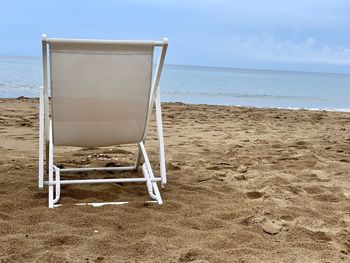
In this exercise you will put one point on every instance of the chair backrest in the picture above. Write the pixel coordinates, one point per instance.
(101, 91)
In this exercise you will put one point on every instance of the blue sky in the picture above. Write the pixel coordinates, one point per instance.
(310, 35)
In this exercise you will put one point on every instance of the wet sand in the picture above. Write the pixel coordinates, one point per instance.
(244, 185)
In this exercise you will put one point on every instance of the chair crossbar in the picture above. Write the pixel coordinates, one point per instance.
(101, 181)
(106, 41)
(77, 170)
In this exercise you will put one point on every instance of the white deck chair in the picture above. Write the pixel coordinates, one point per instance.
(102, 94)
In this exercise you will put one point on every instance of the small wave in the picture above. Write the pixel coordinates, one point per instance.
(318, 109)
(295, 108)
(270, 107)
(240, 95)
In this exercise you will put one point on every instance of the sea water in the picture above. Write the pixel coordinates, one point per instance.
(22, 76)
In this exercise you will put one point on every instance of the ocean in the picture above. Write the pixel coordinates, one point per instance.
(22, 76)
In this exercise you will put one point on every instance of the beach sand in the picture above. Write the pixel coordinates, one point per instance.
(244, 185)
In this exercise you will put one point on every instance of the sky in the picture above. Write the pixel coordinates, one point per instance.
(305, 35)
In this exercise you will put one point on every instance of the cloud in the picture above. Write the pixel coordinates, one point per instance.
(270, 49)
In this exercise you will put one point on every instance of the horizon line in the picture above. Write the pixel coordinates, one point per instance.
(216, 67)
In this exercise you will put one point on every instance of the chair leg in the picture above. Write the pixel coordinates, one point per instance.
(51, 169)
(152, 187)
(41, 138)
(47, 127)
(138, 158)
(148, 182)
(148, 173)
(156, 192)
(57, 185)
(51, 199)
(54, 198)
(160, 140)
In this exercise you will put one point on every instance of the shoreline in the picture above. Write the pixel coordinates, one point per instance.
(225, 105)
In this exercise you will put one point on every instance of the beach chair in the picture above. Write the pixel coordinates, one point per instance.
(102, 94)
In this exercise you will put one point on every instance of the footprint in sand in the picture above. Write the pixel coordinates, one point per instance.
(270, 226)
(254, 195)
(316, 228)
(192, 256)
(321, 236)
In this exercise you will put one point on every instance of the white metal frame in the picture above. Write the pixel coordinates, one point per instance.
(46, 147)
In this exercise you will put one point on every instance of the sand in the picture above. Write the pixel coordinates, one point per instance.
(245, 185)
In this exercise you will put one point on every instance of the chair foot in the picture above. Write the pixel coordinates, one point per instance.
(54, 198)
(152, 187)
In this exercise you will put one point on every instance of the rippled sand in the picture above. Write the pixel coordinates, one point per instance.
(245, 185)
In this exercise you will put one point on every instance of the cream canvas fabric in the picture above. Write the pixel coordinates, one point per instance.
(100, 93)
